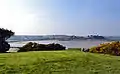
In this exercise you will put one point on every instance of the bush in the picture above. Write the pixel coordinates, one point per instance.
(41, 47)
(112, 48)
(4, 35)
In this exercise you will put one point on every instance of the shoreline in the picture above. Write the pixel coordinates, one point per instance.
(68, 44)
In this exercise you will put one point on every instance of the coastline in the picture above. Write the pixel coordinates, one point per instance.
(67, 44)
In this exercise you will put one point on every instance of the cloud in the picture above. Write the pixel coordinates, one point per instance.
(19, 17)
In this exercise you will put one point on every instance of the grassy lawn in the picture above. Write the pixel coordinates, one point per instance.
(58, 62)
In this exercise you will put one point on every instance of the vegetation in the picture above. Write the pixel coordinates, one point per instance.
(95, 37)
(58, 62)
(40, 47)
(4, 35)
(112, 48)
(75, 49)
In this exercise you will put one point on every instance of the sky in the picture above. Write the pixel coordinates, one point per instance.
(63, 17)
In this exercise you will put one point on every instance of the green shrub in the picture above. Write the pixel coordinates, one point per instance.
(112, 48)
(4, 35)
(41, 47)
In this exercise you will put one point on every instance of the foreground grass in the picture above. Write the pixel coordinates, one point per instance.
(59, 62)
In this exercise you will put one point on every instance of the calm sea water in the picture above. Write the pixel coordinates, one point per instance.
(68, 44)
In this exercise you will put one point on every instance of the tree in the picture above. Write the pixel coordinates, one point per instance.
(4, 35)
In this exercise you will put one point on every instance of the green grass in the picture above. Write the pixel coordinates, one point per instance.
(58, 62)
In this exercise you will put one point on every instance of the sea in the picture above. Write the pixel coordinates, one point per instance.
(19, 41)
(67, 44)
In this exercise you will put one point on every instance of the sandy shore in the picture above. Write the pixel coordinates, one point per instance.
(13, 50)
